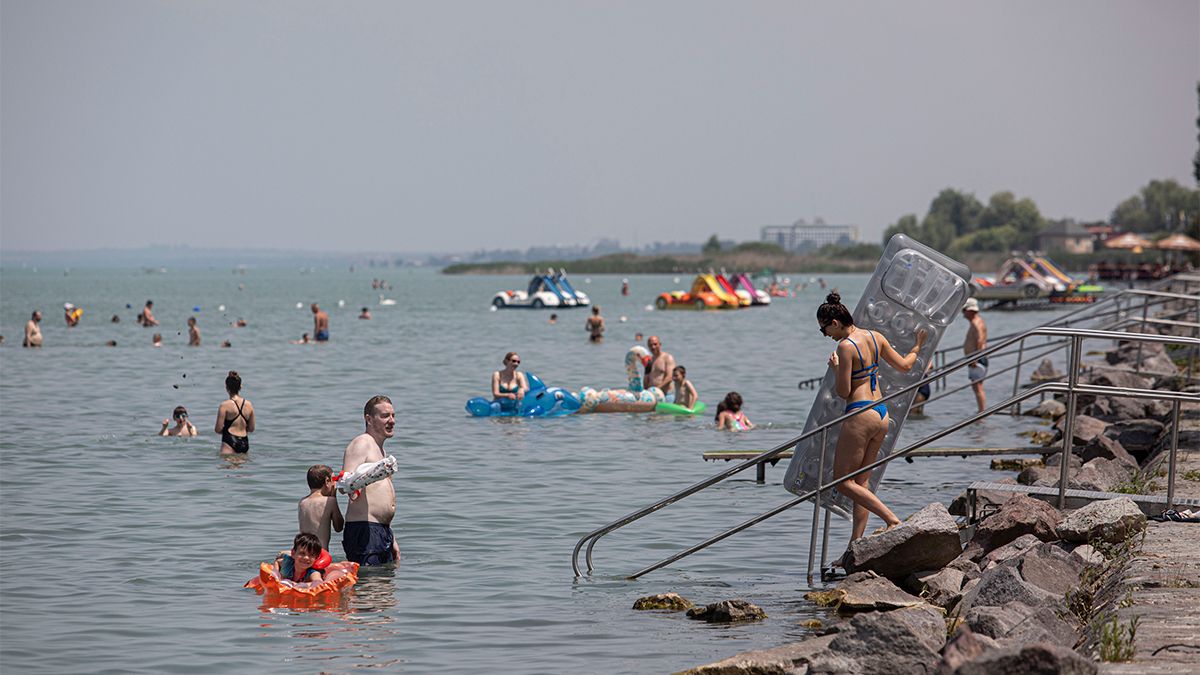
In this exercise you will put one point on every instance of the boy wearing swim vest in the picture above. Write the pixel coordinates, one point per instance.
(319, 510)
(301, 563)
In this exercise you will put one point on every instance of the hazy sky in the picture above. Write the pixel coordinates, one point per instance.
(391, 126)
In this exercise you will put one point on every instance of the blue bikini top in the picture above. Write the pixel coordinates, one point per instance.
(872, 370)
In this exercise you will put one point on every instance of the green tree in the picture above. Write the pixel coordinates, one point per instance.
(906, 225)
(1005, 210)
(1160, 205)
(713, 245)
(960, 209)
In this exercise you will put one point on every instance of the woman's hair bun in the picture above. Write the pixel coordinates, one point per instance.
(833, 299)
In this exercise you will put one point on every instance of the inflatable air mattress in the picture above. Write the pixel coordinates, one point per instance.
(539, 401)
(913, 287)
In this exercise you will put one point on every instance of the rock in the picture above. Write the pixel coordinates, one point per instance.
(1055, 460)
(902, 641)
(1020, 515)
(1035, 659)
(1088, 555)
(1136, 436)
(1111, 520)
(1114, 408)
(1051, 569)
(968, 567)
(927, 540)
(1016, 547)
(1038, 475)
(966, 645)
(1121, 379)
(671, 601)
(1107, 448)
(812, 623)
(774, 661)
(1153, 360)
(1157, 408)
(1050, 409)
(1016, 463)
(1046, 372)
(1084, 429)
(985, 500)
(1003, 584)
(1099, 474)
(941, 587)
(728, 611)
(1016, 622)
(867, 591)
(829, 598)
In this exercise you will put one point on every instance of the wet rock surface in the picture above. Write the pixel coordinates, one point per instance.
(667, 601)
(728, 611)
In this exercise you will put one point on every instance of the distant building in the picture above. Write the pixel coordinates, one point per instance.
(1066, 235)
(800, 237)
(1101, 232)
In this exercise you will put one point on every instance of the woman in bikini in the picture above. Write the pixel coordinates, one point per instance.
(509, 386)
(235, 418)
(856, 363)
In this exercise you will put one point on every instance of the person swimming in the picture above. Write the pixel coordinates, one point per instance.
(729, 414)
(235, 414)
(856, 364)
(183, 426)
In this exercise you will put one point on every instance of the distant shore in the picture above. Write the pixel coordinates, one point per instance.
(629, 263)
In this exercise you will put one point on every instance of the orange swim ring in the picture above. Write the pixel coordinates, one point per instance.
(337, 577)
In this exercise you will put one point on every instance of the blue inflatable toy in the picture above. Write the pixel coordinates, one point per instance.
(539, 401)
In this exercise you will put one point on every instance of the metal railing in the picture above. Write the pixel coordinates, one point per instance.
(1074, 336)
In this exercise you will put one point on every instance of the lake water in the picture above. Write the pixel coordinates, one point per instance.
(124, 551)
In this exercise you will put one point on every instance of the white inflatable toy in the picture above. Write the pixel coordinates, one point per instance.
(352, 483)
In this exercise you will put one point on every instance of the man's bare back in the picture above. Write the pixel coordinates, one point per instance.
(317, 513)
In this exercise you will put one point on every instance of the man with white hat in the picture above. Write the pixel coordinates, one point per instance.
(71, 315)
(976, 340)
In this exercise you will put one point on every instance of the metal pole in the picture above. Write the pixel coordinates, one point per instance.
(1171, 457)
(816, 522)
(1017, 377)
(1137, 363)
(825, 543)
(1069, 427)
(1192, 349)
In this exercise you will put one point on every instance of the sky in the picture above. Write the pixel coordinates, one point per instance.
(460, 125)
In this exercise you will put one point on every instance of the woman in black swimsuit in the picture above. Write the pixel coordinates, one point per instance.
(235, 418)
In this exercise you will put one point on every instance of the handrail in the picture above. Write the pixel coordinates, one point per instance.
(1077, 334)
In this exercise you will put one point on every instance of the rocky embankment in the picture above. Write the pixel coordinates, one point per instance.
(1034, 590)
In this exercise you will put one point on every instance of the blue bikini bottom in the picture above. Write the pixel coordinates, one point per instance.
(879, 408)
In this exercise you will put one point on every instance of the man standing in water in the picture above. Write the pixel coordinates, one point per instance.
(976, 340)
(33, 332)
(368, 539)
(193, 332)
(662, 364)
(595, 325)
(320, 324)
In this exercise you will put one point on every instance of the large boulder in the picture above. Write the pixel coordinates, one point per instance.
(1041, 658)
(728, 611)
(1001, 585)
(902, 641)
(775, 661)
(1016, 622)
(867, 591)
(1019, 515)
(668, 601)
(1099, 474)
(927, 540)
(1084, 428)
(1046, 372)
(1121, 379)
(1110, 520)
(1108, 448)
(940, 587)
(966, 645)
(1013, 549)
(1051, 568)
(1138, 437)
(1050, 409)
(1153, 359)
(1113, 408)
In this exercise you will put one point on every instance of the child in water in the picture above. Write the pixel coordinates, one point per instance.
(685, 393)
(730, 415)
(296, 564)
(183, 426)
(319, 510)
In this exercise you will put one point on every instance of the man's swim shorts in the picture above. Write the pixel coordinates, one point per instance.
(322, 335)
(367, 543)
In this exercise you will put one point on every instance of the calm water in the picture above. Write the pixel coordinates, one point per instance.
(123, 551)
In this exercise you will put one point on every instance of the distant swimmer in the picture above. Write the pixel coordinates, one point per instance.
(685, 392)
(240, 323)
(365, 315)
(855, 364)
(71, 314)
(595, 325)
(183, 426)
(146, 318)
(509, 386)
(193, 332)
(320, 324)
(110, 343)
(624, 287)
(33, 332)
(235, 418)
(730, 415)
(304, 339)
(637, 337)
(553, 319)
(660, 366)
(226, 344)
(156, 340)
(368, 538)
(115, 318)
(319, 511)
(975, 341)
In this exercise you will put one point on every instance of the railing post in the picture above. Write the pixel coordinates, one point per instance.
(1017, 376)
(816, 521)
(1069, 426)
(1137, 363)
(1171, 457)
(824, 544)
(1192, 349)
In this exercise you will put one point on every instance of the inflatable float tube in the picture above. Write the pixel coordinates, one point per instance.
(676, 409)
(337, 577)
(635, 362)
(914, 287)
(539, 401)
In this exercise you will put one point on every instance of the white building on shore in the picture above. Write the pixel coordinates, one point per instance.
(800, 237)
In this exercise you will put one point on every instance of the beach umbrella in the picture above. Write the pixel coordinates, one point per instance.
(1178, 242)
(1129, 240)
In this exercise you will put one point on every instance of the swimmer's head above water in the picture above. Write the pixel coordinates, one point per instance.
(233, 383)
(380, 416)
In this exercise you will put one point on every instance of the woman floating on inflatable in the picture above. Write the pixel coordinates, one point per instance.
(304, 576)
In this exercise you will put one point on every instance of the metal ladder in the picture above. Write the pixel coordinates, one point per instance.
(1061, 337)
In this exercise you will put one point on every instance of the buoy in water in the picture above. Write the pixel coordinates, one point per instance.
(220, 308)
(299, 305)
